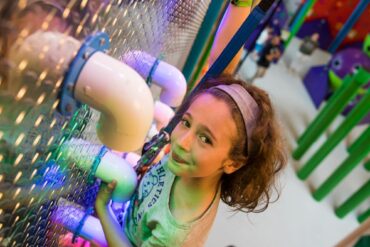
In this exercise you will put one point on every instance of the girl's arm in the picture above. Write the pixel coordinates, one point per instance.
(113, 232)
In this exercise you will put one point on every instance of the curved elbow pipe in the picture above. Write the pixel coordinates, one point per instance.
(104, 83)
(162, 116)
(122, 97)
(70, 216)
(111, 166)
(166, 76)
(131, 157)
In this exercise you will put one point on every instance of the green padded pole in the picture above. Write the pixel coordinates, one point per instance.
(331, 110)
(355, 157)
(328, 107)
(354, 117)
(203, 60)
(357, 143)
(300, 19)
(362, 217)
(367, 165)
(203, 35)
(359, 196)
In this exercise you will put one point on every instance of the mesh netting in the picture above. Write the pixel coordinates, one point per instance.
(38, 40)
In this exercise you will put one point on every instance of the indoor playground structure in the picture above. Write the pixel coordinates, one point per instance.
(85, 85)
(89, 90)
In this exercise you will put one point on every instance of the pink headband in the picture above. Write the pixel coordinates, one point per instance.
(246, 104)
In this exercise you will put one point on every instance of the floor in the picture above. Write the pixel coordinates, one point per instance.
(296, 219)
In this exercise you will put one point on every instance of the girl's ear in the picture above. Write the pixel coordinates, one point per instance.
(231, 166)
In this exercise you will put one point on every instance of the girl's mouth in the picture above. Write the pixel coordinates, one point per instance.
(177, 158)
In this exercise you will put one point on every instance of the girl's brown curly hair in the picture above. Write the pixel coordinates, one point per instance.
(249, 188)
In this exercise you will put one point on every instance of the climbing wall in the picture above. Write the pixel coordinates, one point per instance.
(321, 20)
(38, 40)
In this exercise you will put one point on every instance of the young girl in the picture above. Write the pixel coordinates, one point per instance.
(227, 146)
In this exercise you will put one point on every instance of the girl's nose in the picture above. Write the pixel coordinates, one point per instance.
(185, 141)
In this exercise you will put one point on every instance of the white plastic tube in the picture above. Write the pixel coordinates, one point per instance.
(111, 166)
(69, 215)
(131, 157)
(122, 97)
(162, 114)
(166, 76)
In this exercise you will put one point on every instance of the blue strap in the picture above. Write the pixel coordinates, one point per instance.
(151, 72)
(95, 165)
(77, 232)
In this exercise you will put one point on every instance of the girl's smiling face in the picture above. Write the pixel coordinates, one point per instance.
(201, 141)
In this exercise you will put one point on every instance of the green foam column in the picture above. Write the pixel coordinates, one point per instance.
(201, 64)
(357, 144)
(358, 197)
(354, 117)
(362, 217)
(331, 110)
(300, 19)
(203, 35)
(366, 45)
(367, 165)
(355, 157)
(322, 116)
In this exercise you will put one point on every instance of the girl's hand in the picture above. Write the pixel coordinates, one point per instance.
(104, 195)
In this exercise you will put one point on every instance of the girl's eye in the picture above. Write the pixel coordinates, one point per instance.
(205, 139)
(185, 123)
